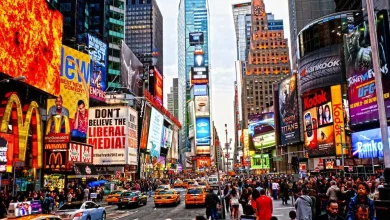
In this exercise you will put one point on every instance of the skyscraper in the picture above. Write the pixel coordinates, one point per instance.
(345, 5)
(193, 17)
(144, 30)
(173, 98)
(242, 23)
(301, 12)
(268, 60)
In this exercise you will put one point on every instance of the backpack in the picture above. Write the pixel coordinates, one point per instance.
(234, 200)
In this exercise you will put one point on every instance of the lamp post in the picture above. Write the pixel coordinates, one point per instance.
(227, 148)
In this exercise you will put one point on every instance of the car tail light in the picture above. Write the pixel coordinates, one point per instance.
(134, 199)
(79, 214)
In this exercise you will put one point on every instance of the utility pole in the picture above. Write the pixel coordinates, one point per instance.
(227, 149)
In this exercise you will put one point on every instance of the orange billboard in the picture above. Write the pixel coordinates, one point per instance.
(30, 46)
(203, 162)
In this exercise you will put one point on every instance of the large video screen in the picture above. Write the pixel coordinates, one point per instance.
(261, 129)
(368, 144)
(30, 45)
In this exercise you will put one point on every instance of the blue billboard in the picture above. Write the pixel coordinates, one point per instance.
(200, 90)
(203, 135)
(368, 144)
(98, 52)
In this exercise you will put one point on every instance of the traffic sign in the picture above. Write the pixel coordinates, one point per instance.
(278, 159)
(227, 155)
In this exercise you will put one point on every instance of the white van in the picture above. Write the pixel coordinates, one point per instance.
(213, 181)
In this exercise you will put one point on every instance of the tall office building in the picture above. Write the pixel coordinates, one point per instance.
(301, 12)
(144, 30)
(346, 5)
(173, 98)
(193, 17)
(268, 60)
(242, 24)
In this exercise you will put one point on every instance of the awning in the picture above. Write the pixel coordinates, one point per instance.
(84, 170)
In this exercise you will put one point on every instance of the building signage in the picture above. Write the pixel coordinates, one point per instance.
(6, 151)
(155, 130)
(321, 68)
(202, 150)
(132, 156)
(199, 75)
(56, 146)
(98, 70)
(57, 129)
(196, 38)
(260, 161)
(199, 60)
(202, 106)
(200, 90)
(288, 111)
(202, 132)
(262, 130)
(338, 118)
(107, 132)
(55, 160)
(203, 162)
(80, 153)
(368, 144)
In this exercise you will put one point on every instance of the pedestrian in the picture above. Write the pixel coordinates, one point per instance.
(244, 199)
(86, 193)
(226, 192)
(234, 201)
(264, 206)
(212, 201)
(332, 209)
(303, 206)
(333, 191)
(293, 215)
(361, 198)
(275, 189)
(362, 212)
(284, 192)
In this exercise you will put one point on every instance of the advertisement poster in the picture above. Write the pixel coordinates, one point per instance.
(55, 160)
(202, 150)
(319, 136)
(196, 38)
(368, 144)
(261, 129)
(175, 144)
(158, 87)
(98, 68)
(130, 70)
(288, 111)
(199, 60)
(133, 141)
(6, 152)
(80, 153)
(145, 128)
(200, 90)
(260, 161)
(338, 119)
(202, 107)
(155, 129)
(202, 132)
(199, 75)
(30, 43)
(73, 101)
(360, 75)
(203, 162)
(169, 138)
(107, 133)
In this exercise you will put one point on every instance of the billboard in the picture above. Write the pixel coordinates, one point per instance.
(202, 150)
(319, 136)
(73, 101)
(202, 106)
(31, 43)
(107, 132)
(158, 86)
(199, 60)
(289, 111)
(145, 127)
(202, 132)
(260, 161)
(6, 151)
(200, 90)
(132, 155)
(175, 144)
(261, 128)
(155, 130)
(196, 38)
(368, 143)
(199, 75)
(98, 84)
(203, 162)
(130, 70)
(80, 153)
(338, 118)
(363, 106)
(321, 68)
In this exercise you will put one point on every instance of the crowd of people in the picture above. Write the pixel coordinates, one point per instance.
(312, 198)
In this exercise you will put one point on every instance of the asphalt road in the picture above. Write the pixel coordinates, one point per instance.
(178, 212)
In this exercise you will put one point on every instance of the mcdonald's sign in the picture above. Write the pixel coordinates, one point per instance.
(55, 160)
(55, 127)
(24, 121)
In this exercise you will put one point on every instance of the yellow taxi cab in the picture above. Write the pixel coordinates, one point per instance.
(113, 197)
(205, 185)
(162, 187)
(178, 184)
(167, 197)
(195, 196)
(190, 183)
(38, 217)
(185, 183)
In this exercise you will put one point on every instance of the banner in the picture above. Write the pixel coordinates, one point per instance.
(73, 101)
(107, 133)
(289, 111)
(98, 69)
(368, 143)
(338, 119)
(202, 132)
(6, 152)
(145, 127)
(155, 129)
(261, 128)
(30, 43)
(169, 138)
(133, 140)
(81, 153)
(175, 143)
(130, 70)
(363, 105)
(202, 106)
(158, 86)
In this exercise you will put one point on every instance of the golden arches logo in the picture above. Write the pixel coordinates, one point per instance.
(55, 161)
(22, 119)
(57, 120)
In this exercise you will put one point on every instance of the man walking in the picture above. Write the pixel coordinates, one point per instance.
(264, 206)
(332, 209)
(211, 204)
(303, 206)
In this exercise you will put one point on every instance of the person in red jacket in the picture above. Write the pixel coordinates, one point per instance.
(264, 206)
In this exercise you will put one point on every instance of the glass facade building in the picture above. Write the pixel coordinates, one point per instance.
(242, 24)
(144, 30)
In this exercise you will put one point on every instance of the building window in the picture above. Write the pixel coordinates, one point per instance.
(65, 7)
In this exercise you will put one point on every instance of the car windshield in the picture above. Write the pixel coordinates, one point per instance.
(128, 194)
(185, 181)
(202, 183)
(116, 192)
(71, 206)
(165, 192)
(163, 187)
(194, 191)
(213, 179)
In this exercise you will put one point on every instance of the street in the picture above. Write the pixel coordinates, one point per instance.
(176, 212)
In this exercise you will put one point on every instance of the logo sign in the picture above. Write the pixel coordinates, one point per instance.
(203, 162)
(202, 132)
(155, 130)
(199, 75)
(56, 146)
(316, 99)
(98, 69)
(199, 60)
(288, 111)
(321, 68)
(196, 38)
(202, 107)
(200, 90)
(368, 144)
(55, 160)
(57, 129)
(107, 132)
(338, 118)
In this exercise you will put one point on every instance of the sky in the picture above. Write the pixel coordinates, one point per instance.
(222, 48)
